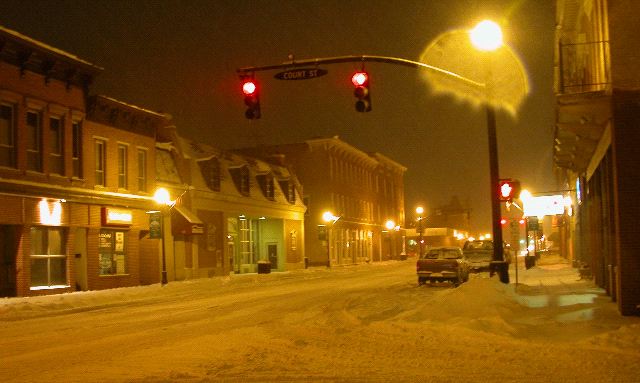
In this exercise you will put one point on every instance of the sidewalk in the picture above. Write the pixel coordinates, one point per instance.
(554, 284)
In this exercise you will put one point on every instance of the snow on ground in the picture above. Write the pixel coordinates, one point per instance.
(368, 323)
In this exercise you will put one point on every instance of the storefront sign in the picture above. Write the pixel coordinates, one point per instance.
(116, 217)
(197, 228)
(544, 205)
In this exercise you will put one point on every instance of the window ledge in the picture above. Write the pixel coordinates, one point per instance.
(55, 287)
(113, 275)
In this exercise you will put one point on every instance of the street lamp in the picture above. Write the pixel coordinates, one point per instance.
(487, 36)
(420, 211)
(163, 199)
(390, 225)
(329, 218)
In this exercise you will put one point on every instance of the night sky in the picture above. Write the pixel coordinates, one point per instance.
(180, 57)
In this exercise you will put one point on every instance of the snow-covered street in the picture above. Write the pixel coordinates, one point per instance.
(367, 323)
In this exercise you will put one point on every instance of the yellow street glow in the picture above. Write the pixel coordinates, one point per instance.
(486, 36)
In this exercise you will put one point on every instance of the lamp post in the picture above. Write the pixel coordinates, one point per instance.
(163, 199)
(419, 211)
(391, 225)
(330, 219)
(487, 36)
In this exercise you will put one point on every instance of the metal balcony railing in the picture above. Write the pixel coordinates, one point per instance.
(584, 67)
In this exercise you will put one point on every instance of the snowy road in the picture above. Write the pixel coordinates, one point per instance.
(370, 323)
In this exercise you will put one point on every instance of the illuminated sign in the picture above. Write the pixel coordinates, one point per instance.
(116, 217)
(544, 205)
(50, 214)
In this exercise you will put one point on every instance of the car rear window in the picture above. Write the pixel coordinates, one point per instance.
(479, 245)
(443, 254)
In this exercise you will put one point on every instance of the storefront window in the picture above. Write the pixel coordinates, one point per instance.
(112, 252)
(48, 258)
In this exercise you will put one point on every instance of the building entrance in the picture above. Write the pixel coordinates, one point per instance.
(8, 251)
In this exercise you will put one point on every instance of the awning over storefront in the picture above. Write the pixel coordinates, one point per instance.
(185, 222)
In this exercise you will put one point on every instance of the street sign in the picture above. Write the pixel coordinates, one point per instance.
(300, 74)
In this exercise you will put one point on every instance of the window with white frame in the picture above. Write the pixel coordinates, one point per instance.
(76, 156)
(122, 166)
(7, 135)
(48, 257)
(34, 141)
(142, 170)
(100, 161)
(56, 145)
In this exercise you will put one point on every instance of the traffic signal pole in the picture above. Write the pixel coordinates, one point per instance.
(498, 265)
(364, 58)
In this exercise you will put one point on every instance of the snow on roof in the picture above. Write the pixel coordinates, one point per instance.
(197, 150)
(43, 46)
(163, 115)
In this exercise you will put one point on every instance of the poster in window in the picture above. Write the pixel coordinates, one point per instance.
(106, 264)
(104, 241)
(119, 242)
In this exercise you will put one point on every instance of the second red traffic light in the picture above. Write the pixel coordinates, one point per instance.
(361, 81)
(251, 98)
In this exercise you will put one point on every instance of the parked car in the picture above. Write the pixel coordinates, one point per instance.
(441, 264)
(479, 254)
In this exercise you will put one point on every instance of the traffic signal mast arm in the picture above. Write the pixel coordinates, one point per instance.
(364, 58)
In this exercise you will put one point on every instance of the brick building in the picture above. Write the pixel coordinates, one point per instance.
(361, 190)
(74, 176)
(597, 136)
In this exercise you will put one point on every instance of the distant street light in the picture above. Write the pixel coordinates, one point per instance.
(487, 36)
(419, 211)
(330, 219)
(163, 199)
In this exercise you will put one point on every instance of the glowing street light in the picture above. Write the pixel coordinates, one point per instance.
(487, 36)
(419, 212)
(163, 198)
(390, 224)
(329, 218)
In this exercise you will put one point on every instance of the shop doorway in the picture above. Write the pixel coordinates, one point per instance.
(8, 250)
(272, 251)
(80, 253)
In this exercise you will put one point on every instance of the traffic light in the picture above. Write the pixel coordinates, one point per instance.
(251, 97)
(361, 81)
(508, 189)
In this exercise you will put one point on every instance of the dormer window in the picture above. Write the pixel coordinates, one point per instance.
(266, 185)
(241, 179)
(211, 173)
(289, 190)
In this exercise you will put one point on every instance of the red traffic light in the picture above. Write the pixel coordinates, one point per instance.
(251, 98)
(508, 189)
(361, 81)
(360, 78)
(249, 87)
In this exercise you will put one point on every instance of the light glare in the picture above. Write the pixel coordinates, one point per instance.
(249, 88)
(486, 36)
(359, 78)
